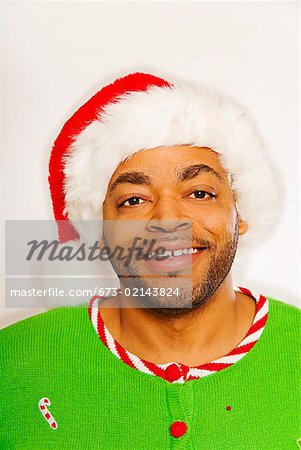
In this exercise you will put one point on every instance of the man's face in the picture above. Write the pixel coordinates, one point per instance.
(177, 194)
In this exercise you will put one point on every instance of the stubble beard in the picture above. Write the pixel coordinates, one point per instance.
(193, 294)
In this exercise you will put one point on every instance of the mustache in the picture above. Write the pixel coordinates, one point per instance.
(200, 242)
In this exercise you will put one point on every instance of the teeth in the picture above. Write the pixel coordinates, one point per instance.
(174, 253)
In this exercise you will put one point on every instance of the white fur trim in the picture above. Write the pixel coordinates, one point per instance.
(164, 116)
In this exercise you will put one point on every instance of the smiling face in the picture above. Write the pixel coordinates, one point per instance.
(181, 197)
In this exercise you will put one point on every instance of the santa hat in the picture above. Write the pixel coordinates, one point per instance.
(139, 112)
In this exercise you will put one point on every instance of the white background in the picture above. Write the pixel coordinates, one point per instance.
(55, 55)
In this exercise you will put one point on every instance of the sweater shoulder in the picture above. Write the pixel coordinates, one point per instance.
(285, 310)
(285, 320)
(49, 323)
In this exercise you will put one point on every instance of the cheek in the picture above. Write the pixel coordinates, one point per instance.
(218, 221)
(108, 212)
(121, 232)
(109, 230)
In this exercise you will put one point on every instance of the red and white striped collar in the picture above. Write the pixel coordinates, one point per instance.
(176, 372)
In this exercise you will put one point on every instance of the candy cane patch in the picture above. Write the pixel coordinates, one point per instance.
(43, 403)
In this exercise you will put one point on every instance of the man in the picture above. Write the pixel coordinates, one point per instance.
(207, 367)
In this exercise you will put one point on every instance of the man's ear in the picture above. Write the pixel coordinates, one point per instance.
(242, 227)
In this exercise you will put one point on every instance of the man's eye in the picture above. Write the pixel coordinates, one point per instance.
(202, 194)
(132, 201)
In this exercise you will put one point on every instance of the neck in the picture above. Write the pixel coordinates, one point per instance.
(193, 338)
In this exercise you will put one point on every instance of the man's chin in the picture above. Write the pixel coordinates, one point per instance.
(169, 292)
(177, 266)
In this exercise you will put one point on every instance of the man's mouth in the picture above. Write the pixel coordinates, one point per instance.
(175, 260)
(174, 253)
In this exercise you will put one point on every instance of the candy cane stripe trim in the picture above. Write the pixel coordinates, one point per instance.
(189, 373)
(124, 355)
(111, 342)
(155, 369)
(261, 313)
(234, 357)
(252, 337)
(197, 373)
(242, 349)
(138, 364)
(215, 367)
(261, 302)
(258, 325)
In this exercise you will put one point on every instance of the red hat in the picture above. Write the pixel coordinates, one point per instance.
(141, 111)
(84, 116)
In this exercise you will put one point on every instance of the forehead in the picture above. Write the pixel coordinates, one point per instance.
(168, 160)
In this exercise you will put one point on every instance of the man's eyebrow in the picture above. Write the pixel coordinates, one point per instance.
(185, 174)
(192, 171)
(131, 177)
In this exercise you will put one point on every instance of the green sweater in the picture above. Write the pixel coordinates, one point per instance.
(99, 402)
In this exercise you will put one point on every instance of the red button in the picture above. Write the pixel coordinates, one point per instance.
(173, 372)
(177, 429)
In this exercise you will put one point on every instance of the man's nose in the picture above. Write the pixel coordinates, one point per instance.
(167, 217)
